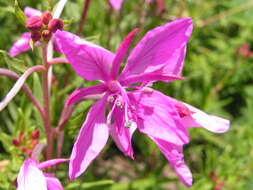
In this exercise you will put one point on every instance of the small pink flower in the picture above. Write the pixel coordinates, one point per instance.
(116, 4)
(158, 56)
(31, 177)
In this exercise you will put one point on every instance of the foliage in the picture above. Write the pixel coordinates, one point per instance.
(218, 80)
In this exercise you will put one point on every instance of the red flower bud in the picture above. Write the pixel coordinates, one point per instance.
(21, 137)
(46, 17)
(15, 142)
(35, 134)
(26, 151)
(34, 23)
(55, 24)
(35, 36)
(46, 35)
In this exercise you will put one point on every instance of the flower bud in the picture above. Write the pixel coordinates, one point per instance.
(35, 134)
(46, 17)
(35, 36)
(34, 23)
(46, 35)
(55, 24)
(15, 142)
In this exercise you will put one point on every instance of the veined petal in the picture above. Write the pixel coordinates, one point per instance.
(157, 116)
(29, 12)
(158, 46)
(121, 134)
(77, 95)
(116, 4)
(121, 52)
(30, 177)
(52, 182)
(90, 61)
(52, 162)
(150, 77)
(174, 154)
(199, 118)
(21, 45)
(91, 139)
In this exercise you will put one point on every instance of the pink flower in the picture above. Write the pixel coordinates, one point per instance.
(158, 56)
(31, 177)
(116, 4)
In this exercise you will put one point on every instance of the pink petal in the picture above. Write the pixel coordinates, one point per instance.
(53, 183)
(149, 77)
(30, 177)
(29, 11)
(201, 119)
(121, 134)
(158, 117)
(77, 95)
(121, 52)
(90, 141)
(158, 46)
(21, 45)
(116, 4)
(52, 162)
(174, 155)
(90, 61)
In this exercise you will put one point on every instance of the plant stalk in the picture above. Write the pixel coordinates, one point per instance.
(46, 102)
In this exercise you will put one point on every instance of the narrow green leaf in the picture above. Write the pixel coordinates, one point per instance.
(19, 13)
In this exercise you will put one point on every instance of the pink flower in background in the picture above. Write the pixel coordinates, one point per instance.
(23, 44)
(31, 177)
(158, 56)
(116, 4)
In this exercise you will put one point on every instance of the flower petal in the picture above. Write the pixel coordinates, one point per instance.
(121, 52)
(21, 45)
(90, 61)
(29, 12)
(174, 154)
(116, 4)
(90, 141)
(30, 177)
(77, 95)
(157, 116)
(149, 77)
(53, 183)
(52, 162)
(158, 46)
(201, 119)
(122, 135)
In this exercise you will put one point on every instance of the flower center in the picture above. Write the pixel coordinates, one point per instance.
(114, 86)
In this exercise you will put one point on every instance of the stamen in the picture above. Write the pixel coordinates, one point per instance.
(111, 99)
(128, 124)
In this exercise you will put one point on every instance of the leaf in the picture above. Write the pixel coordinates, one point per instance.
(12, 62)
(19, 13)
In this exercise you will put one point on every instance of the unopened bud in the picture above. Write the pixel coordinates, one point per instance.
(34, 23)
(35, 36)
(46, 17)
(35, 134)
(15, 142)
(46, 35)
(55, 24)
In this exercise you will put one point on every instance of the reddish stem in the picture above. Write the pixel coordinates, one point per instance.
(13, 75)
(83, 16)
(46, 101)
(57, 61)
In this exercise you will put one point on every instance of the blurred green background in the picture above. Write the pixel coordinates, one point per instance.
(219, 80)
